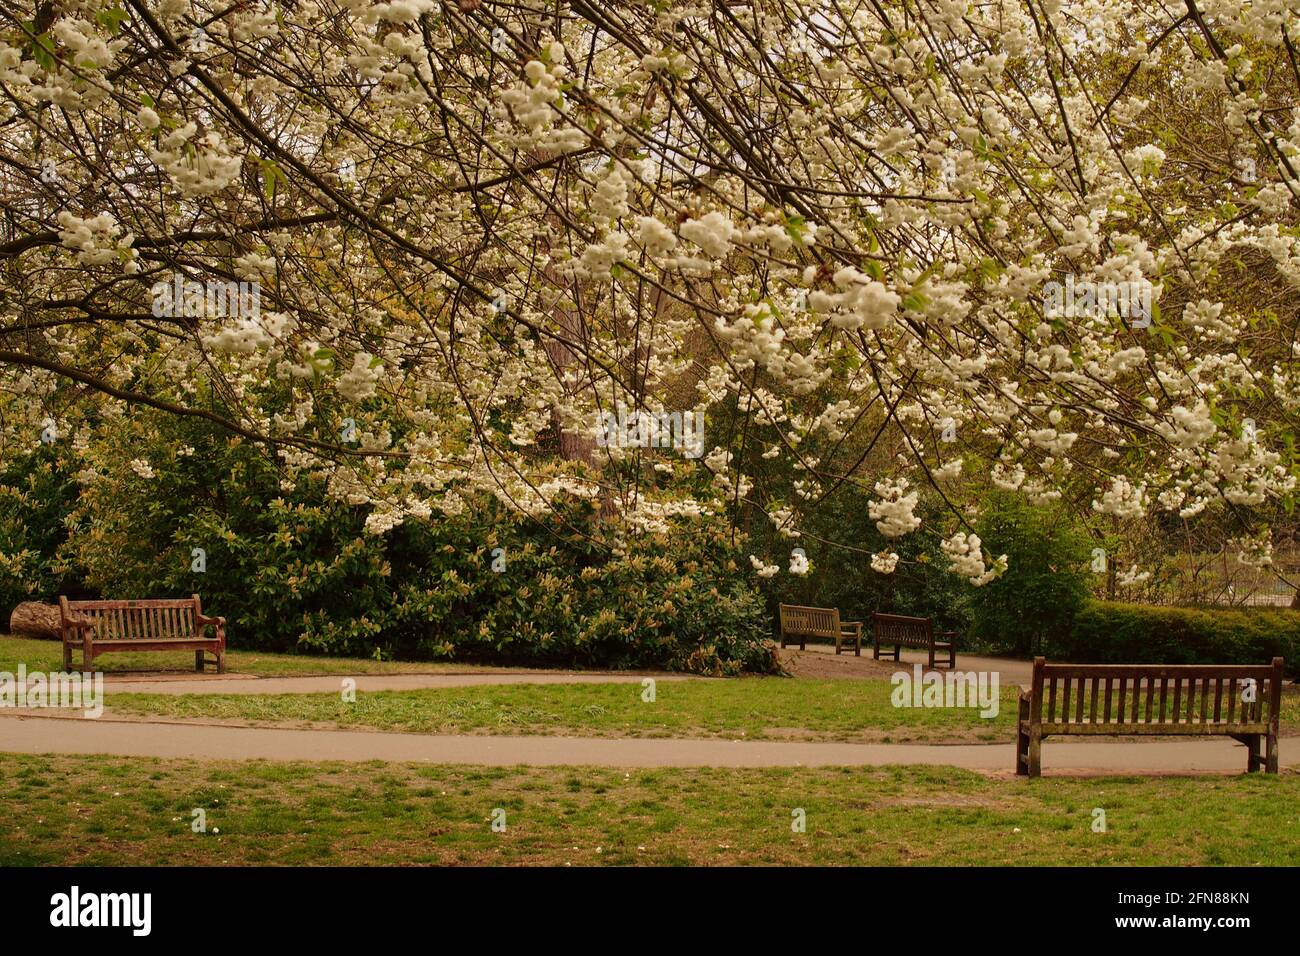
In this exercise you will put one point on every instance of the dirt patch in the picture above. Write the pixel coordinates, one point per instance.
(818, 665)
(789, 733)
(943, 801)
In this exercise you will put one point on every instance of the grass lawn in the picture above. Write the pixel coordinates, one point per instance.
(48, 656)
(753, 708)
(127, 811)
(757, 708)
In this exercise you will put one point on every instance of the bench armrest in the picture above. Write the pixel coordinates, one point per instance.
(78, 623)
(855, 625)
(202, 620)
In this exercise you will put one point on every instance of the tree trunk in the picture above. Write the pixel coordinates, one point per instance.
(31, 619)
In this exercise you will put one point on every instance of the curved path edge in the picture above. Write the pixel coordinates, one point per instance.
(42, 735)
(232, 684)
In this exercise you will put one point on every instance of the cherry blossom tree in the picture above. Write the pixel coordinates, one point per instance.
(849, 234)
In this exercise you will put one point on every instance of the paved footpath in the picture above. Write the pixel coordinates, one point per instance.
(236, 684)
(44, 734)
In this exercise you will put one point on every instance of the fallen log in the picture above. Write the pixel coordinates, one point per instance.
(33, 619)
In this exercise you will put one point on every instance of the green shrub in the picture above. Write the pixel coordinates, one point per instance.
(36, 494)
(1107, 632)
(293, 569)
(1045, 582)
(661, 603)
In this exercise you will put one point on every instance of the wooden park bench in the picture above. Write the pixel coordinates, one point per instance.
(99, 627)
(919, 632)
(1123, 700)
(800, 623)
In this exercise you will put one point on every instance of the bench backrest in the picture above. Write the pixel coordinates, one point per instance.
(149, 620)
(899, 629)
(1149, 698)
(815, 621)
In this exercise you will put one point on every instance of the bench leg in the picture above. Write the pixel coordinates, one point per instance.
(1270, 759)
(838, 640)
(931, 657)
(857, 644)
(67, 658)
(1035, 754)
(1022, 740)
(898, 653)
(1253, 761)
(221, 660)
(198, 661)
(875, 648)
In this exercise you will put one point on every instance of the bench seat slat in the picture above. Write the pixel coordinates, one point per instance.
(131, 605)
(137, 644)
(1183, 671)
(1154, 730)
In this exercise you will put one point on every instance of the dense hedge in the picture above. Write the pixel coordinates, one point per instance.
(1107, 632)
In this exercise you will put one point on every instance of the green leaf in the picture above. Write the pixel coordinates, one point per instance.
(42, 49)
(272, 176)
(111, 19)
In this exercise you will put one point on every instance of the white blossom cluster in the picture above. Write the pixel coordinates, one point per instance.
(966, 559)
(892, 513)
(884, 562)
